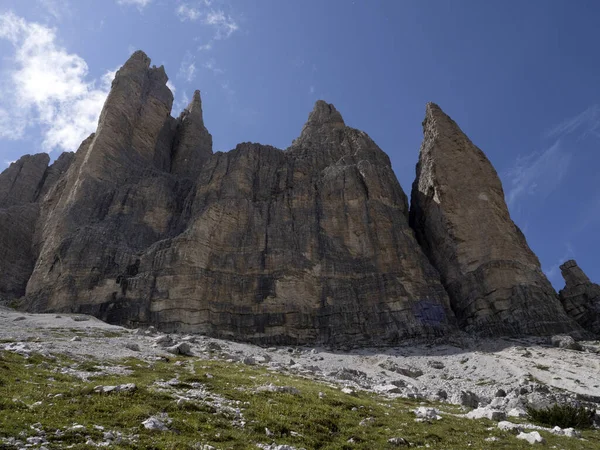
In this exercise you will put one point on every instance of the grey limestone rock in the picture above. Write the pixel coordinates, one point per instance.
(580, 297)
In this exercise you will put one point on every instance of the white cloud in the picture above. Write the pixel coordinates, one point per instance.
(311, 89)
(187, 70)
(46, 86)
(56, 8)
(585, 124)
(187, 12)
(141, 4)
(537, 174)
(172, 87)
(206, 47)
(223, 23)
(212, 66)
(181, 104)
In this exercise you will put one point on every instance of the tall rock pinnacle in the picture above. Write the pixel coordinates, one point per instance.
(458, 212)
(580, 297)
(193, 143)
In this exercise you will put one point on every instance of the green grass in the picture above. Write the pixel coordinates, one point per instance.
(306, 420)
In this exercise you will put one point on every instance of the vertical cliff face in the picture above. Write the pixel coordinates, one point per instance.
(311, 244)
(117, 197)
(23, 187)
(580, 297)
(145, 225)
(458, 211)
(307, 245)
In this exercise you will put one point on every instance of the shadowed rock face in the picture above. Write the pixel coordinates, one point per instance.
(580, 297)
(458, 211)
(311, 244)
(22, 186)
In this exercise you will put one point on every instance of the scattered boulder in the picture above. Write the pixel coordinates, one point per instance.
(133, 346)
(423, 412)
(466, 398)
(154, 423)
(183, 348)
(564, 341)
(487, 413)
(398, 442)
(533, 437)
(406, 371)
(129, 387)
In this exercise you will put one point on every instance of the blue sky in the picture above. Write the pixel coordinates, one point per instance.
(522, 79)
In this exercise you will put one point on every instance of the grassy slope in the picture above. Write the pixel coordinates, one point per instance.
(322, 423)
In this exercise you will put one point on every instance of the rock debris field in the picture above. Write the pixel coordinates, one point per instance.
(476, 379)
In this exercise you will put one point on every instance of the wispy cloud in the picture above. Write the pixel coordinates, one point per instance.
(56, 8)
(537, 174)
(224, 24)
(141, 4)
(188, 12)
(187, 70)
(206, 12)
(45, 85)
(205, 47)
(584, 125)
(212, 66)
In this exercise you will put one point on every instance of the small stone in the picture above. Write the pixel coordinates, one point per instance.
(269, 433)
(164, 341)
(183, 348)
(435, 364)
(132, 346)
(249, 361)
(423, 412)
(532, 437)
(500, 393)
(154, 423)
(367, 421)
(75, 339)
(17, 319)
(348, 391)
(398, 442)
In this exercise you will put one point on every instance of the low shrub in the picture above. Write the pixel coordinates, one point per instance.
(562, 415)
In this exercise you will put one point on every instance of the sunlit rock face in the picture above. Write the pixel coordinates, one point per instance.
(494, 280)
(310, 244)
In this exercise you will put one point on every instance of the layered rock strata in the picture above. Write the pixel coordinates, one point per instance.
(311, 244)
(494, 280)
(580, 297)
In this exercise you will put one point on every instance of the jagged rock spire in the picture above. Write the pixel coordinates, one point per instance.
(193, 142)
(460, 217)
(580, 297)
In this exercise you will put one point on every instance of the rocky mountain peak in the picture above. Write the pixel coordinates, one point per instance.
(580, 297)
(324, 113)
(461, 219)
(573, 274)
